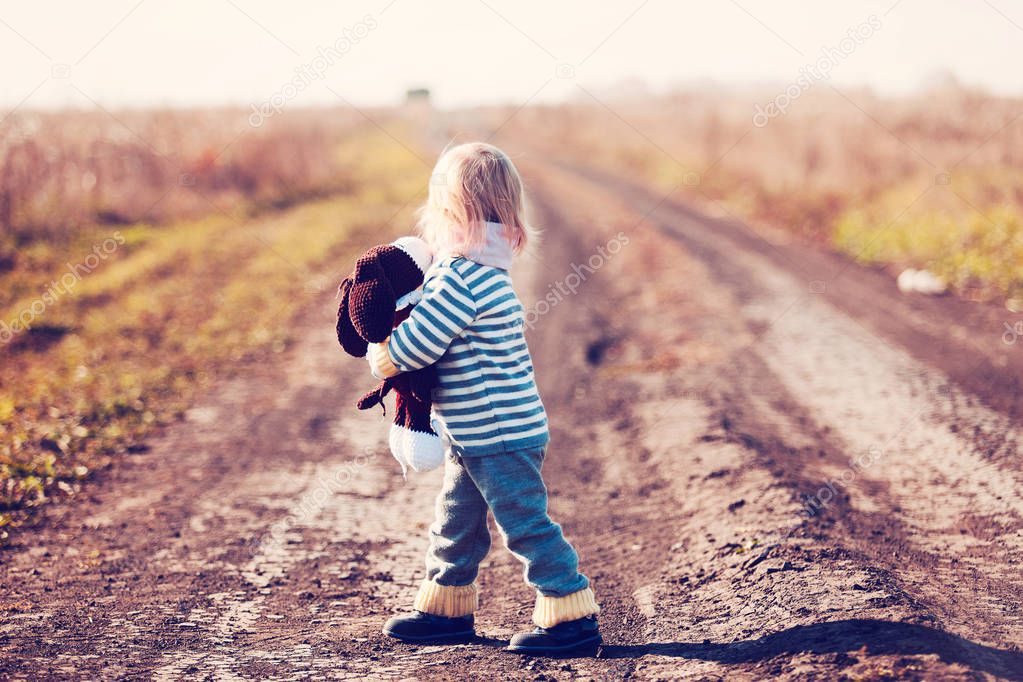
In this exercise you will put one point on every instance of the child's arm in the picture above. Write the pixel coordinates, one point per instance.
(447, 308)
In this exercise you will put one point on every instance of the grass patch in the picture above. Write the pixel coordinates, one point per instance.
(166, 311)
(841, 176)
(969, 232)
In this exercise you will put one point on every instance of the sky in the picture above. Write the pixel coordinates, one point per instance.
(136, 53)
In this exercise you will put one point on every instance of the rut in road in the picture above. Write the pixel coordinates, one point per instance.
(920, 467)
(270, 534)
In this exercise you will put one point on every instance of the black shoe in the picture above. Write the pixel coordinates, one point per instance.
(426, 628)
(574, 636)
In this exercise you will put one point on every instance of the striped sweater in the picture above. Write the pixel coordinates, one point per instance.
(470, 323)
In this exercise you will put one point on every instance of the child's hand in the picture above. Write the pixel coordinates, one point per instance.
(380, 362)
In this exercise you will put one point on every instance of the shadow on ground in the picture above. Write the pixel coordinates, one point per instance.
(878, 636)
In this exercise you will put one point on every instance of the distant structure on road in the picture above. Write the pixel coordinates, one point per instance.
(417, 97)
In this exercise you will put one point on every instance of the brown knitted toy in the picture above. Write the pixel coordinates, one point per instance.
(375, 299)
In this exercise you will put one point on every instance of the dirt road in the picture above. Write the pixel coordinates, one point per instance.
(771, 463)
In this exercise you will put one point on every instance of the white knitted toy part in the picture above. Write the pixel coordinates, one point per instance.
(418, 251)
(415, 449)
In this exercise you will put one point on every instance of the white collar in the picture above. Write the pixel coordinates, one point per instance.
(495, 252)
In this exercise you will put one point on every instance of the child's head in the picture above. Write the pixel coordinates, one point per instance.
(472, 184)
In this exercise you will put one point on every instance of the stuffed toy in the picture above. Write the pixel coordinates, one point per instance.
(378, 295)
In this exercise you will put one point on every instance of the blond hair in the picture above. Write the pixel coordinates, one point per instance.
(472, 184)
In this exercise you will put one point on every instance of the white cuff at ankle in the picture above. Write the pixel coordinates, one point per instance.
(550, 611)
(447, 600)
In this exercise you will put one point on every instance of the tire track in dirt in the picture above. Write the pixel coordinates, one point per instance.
(946, 466)
(868, 393)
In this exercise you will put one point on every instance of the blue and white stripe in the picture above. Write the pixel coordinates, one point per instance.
(470, 324)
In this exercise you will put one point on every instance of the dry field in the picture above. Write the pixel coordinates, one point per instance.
(61, 171)
(934, 181)
(145, 254)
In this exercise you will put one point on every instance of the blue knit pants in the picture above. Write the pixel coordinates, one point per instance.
(510, 486)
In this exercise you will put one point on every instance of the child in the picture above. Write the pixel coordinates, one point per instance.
(486, 406)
